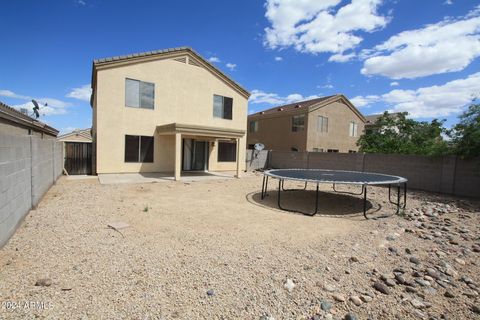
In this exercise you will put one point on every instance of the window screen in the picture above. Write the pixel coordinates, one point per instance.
(322, 124)
(253, 126)
(298, 123)
(139, 94)
(227, 151)
(132, 144)
(222, 107)
(138, 148)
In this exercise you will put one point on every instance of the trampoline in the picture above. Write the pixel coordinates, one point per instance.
(318, 176)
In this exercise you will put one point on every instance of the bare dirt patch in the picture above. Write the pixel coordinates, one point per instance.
(213, 250)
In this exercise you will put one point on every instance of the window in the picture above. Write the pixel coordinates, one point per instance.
(222, 107)
(251, 147)
(332, 150)
(298, 123)
(317, 150)
(353, 129)
(322, 124)
(138, 149)
(253, 126)
(294, 149)
(139, 94)
(227, 151)
(352, 151)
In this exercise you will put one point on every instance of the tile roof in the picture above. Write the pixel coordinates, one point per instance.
(293, 106)
(170, 50)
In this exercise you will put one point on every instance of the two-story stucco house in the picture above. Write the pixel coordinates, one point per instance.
(327, 124)
(166, 111)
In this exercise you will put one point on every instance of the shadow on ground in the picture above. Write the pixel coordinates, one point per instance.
(330, 203)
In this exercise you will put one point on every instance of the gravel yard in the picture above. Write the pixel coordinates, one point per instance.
(212, 250)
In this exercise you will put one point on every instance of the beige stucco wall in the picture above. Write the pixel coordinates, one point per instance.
(339, 117)
(275, 130)
(183, 94)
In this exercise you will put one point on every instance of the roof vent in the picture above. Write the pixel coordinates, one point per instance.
(262, 112)
(298, 106)
(181, 59)
(280, 109)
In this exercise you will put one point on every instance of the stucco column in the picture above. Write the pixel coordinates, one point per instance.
(178, 156)
(237, 175)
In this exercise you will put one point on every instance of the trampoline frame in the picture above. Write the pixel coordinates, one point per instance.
(397, 181)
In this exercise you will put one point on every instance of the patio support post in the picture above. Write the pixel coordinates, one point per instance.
(178, 155)
(237, 175)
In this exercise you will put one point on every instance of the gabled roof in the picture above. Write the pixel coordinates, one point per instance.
(308, 105)
(13, 115)
(160, 54)
(84, 133)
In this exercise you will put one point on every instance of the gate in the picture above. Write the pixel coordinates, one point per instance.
(78, 158)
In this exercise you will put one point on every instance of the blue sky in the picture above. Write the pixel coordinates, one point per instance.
(415, 56)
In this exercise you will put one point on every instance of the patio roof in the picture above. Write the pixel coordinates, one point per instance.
(206, 131)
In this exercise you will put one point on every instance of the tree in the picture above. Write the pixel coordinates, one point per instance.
(466, 134)
(398, 134)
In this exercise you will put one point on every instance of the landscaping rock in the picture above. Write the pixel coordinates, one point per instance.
(289, 285)
(44, 282)
(338, 297)
(379, 286)
(325, 306)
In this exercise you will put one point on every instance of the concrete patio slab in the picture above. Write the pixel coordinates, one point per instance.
(156, 177)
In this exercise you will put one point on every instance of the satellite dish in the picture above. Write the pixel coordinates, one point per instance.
(259, 146)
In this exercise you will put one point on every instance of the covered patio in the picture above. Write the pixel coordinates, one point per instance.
(211, 135)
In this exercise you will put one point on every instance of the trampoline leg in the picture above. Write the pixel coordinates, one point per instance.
(263, 188)
(304, 188)
(398, 198)
(316, 200)
(365, 202)
(279, 191)
(404, 195)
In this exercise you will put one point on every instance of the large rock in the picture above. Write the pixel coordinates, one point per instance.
(379, 286)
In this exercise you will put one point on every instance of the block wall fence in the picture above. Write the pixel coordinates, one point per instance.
(446, 174)
(29, 165)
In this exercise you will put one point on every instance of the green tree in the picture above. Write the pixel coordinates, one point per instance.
(399, 134)
(466, 134)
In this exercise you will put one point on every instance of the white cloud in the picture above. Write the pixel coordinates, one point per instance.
(364, 101)
(278, 58)
(54, 106)
(428, 102)
(259, 96)
(394, 84)
(214, 59)
(449, 2)
(326, 86)
(81, 2)
(81, 93)
(231, 66)
(446, 46)
(11, 94)
(341, 57)
(315, 26)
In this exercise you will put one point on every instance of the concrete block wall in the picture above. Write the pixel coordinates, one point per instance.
(22, 184)
(448, 174)
(256, 159)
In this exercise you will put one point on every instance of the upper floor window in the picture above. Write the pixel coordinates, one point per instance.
(353, 129)
(322, 124)
(222, 107)
(253, 126)
(139, 94)
(298, 123)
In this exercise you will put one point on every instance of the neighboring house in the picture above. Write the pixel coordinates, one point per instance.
(371, 123)
(327, 124)
(77, 150)
(166, 111)
(14, 122)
